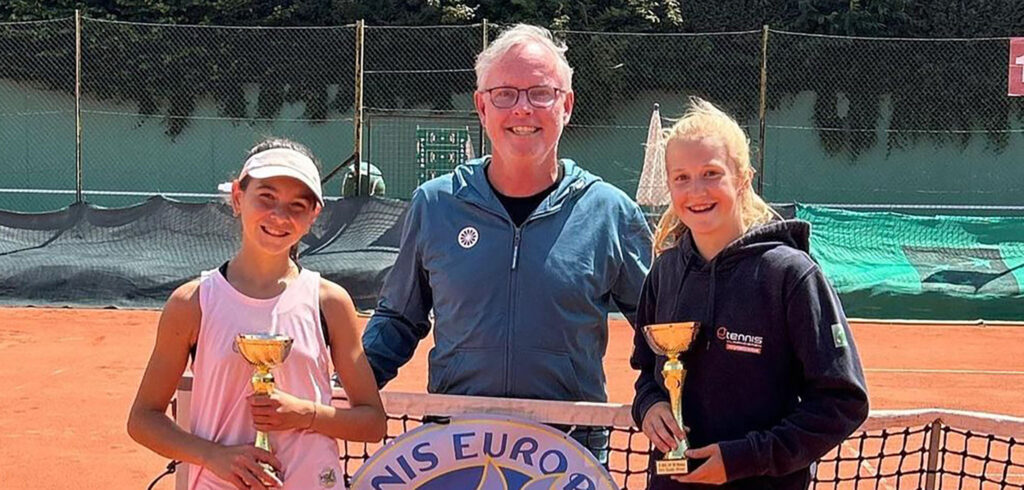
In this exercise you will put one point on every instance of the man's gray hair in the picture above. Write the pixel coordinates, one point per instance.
(519, 35)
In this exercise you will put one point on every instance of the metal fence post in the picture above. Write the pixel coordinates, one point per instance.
(934, 447)
(78, 106)
(762, 110)
(357, 114)
(482, 133)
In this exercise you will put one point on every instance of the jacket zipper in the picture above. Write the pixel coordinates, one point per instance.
(516, 242)
(513, 282)
(515, 246)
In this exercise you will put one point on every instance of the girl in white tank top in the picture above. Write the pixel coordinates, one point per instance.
(262, 289)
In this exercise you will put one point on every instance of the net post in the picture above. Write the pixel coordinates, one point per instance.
(934, 447)
(78, 106)
(762, 109)
(357, 116)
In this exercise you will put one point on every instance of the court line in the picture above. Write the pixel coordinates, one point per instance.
(936, 324)
(885, 481)
(944, 371)
(863, 463)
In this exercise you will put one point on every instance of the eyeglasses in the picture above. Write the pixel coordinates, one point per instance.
(539, 96)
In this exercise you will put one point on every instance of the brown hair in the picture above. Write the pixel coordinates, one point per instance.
(703, 120)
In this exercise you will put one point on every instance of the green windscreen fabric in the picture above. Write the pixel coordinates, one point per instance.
(889, 265)
(134, 257)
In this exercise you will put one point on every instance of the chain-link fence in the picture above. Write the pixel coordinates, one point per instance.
(619, 77)
(172, 109)
(221, 89)
(37, 112)
(892, 121)
(418, 85)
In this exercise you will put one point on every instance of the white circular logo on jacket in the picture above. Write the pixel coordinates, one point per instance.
(468, 237)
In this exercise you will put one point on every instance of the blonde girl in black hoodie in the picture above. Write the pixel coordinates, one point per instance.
(773, 380)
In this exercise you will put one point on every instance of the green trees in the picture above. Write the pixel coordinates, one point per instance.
(932, 87)
(896, 18)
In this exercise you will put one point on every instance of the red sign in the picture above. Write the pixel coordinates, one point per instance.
(1016, 73)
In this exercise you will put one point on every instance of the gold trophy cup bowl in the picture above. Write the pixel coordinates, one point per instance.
(264, 352)
(671, 340)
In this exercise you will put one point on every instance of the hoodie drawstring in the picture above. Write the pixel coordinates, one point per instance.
(710, 313)
(679, 293)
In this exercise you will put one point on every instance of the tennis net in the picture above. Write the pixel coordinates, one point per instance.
(894, 449)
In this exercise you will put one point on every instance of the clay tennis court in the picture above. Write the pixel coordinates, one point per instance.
(69, 376)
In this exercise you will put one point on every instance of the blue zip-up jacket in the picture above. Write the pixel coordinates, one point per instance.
(774, 376)
(519, 311)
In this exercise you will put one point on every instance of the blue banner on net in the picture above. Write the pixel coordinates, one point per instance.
(485, 452)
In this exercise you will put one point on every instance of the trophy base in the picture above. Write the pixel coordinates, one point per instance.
(671, 467)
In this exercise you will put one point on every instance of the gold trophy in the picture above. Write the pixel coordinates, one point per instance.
(672, 339)
(264, 352)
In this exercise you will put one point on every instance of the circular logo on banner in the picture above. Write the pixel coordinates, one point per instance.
(485, 452)
(468, 237)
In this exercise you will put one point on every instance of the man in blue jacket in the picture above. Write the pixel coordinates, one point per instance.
(520, 254)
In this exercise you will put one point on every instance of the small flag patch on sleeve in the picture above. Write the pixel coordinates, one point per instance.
(839, 335)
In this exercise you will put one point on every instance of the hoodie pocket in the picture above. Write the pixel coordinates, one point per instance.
(444, 378)
(476, 372)
(547, 375)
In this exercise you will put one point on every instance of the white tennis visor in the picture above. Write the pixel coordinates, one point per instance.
(284, 162)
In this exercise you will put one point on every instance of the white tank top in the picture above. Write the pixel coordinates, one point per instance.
(220, 412)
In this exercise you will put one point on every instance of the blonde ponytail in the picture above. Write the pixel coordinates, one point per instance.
(668, 232)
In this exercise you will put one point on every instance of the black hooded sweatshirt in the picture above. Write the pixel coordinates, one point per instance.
(774, 377)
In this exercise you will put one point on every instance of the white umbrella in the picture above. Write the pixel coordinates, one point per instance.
(469, 147)
(653, 190)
